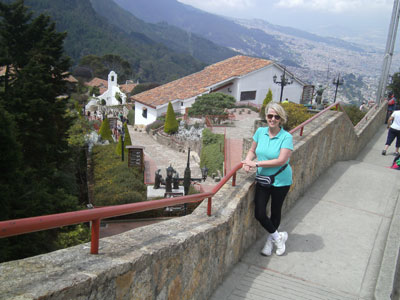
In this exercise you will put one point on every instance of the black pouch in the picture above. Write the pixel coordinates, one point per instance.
(267, 181)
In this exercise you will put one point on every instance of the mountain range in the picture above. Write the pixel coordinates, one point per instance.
(165, 39)
(88, 32)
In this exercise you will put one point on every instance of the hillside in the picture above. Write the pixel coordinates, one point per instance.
(89, 33)
(174, 38)
(217, 29)
(315, 59)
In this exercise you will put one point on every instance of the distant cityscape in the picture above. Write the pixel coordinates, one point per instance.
(320, 63)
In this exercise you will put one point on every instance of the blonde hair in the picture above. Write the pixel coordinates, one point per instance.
(278, 109)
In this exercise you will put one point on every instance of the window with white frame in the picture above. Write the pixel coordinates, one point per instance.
(144, 112)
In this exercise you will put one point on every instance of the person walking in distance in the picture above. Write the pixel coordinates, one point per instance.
(272, 146)
(394, 132)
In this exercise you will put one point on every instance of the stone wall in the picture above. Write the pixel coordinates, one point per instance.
(180, 146)
(187, 257)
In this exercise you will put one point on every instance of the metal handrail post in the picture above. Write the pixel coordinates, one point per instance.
(94, 243)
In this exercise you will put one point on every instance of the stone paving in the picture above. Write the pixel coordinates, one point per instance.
(158, 156)
(344, 238)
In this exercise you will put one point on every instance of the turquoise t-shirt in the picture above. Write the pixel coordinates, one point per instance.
(268, 148)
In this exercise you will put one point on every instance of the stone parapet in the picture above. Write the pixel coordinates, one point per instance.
(186, 257)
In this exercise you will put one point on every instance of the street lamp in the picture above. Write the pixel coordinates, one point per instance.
(284, 81)
(122, 142)
(337, 82)
(204, 172)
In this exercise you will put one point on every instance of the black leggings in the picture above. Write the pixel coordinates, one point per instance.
(261, 199)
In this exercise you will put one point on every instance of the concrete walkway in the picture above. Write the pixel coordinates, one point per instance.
(344, 236)
(158, 156)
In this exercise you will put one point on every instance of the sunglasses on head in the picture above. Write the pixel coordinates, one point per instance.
(270, 116)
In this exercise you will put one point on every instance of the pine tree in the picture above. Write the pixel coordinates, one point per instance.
(171, 125)
(36, 67)
(105, 131)
(268, 99)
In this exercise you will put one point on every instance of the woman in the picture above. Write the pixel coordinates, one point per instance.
(273, 147)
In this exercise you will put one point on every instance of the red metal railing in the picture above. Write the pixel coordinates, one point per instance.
(27, 225)
(302, 125)
(225, 153)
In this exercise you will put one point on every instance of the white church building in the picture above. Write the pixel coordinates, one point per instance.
(110, 95)
(245, 78)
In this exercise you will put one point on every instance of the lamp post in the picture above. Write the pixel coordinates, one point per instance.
(337, 82)
(204, 172)
(284, 82)
(122, 142)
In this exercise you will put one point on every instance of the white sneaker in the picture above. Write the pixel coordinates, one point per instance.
(267, 250)
(280, 244)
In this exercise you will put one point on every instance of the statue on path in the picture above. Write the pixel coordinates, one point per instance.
(319, 92)
(157, 179)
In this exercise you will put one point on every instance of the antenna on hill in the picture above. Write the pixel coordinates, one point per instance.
(327, 74)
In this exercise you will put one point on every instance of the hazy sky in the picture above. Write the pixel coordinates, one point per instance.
(318, 16)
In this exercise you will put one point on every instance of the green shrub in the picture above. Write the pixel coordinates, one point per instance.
(210, 138)
(131, 117)
(268, 99)
(94, 90)
(171, 125)
(114, 182)
(212, 151)
(296, 114)
(105, 131)
(78, 234)
(354, 113)
(127, 142)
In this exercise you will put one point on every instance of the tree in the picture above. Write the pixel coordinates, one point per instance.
(354, 113)
(101, 66)
(171, 125)
(35, 126)
(212, 104)
(395, 85)
(296, 114)
(118, 97)
(105, 131)
(268, 99)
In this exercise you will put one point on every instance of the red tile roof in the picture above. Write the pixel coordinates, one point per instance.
(98, 82)
(198, 83)
(71, 79)
(127, 88)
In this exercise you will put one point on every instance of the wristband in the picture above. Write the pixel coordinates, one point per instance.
(257, 164)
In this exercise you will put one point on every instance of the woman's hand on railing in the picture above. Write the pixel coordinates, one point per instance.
(247, 165)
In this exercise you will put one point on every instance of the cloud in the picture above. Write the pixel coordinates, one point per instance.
(335, 5)
(212, 5)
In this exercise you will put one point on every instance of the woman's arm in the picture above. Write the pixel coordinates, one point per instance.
(283, 157)
(249, 157)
